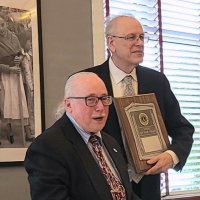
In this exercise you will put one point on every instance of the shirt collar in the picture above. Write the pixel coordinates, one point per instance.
(117, 74)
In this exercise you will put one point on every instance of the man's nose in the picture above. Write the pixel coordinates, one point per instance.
(100, 105)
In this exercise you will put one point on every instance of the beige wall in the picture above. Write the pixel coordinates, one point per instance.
(13, 183)
(67, 47)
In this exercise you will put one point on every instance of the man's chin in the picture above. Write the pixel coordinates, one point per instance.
(97, 129)
(137, 57)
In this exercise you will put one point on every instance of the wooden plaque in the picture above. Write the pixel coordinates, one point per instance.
(143, 127)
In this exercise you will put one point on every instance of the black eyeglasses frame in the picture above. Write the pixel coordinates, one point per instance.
(94, 103)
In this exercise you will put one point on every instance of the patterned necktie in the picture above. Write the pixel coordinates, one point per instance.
(129, 91)
(116, 187)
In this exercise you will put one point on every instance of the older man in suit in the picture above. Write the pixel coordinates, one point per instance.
(125, 40)
(62, 163)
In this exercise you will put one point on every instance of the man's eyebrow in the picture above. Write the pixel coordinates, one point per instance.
(93, 94)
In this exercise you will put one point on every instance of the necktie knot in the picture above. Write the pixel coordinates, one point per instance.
(128, 86)
(128, 79)
(95, 140)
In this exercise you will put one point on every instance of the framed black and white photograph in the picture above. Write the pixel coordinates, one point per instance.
(20, 77)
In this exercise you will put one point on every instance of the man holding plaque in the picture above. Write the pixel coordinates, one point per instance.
(125, 40)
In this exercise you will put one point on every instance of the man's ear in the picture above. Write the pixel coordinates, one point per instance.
(110, 44)
(68, 105)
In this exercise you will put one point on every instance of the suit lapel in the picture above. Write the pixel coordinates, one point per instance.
(104, 74)
(142, 80)
(91, 167)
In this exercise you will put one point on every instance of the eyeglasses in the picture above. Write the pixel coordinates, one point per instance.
(92, 101)
(132, 37)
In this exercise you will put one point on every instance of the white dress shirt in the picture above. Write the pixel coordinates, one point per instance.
(117, 76)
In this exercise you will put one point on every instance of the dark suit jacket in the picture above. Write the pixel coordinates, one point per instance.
(179, 129)
(61, 167)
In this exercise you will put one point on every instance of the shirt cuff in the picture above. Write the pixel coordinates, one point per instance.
(174, 157)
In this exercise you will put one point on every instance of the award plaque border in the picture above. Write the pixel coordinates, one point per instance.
(129, 124)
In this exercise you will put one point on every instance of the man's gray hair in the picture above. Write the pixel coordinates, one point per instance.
(110, 20)
(70, 83)
(60, 110)
(69, 91)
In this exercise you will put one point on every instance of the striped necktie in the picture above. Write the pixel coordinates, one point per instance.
(116, 187)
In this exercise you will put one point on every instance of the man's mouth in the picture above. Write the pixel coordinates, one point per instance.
(98, 118)
(138, 52)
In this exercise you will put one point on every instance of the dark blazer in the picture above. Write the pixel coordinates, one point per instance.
(60, 166)
(179, 129)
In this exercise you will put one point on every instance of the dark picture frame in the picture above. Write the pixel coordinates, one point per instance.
(14, 138)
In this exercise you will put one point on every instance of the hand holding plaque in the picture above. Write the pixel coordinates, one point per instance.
(143, 127)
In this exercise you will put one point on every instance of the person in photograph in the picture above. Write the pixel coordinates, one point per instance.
(25, 38)
(125, 40)
(62, 162)
(11, 81)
